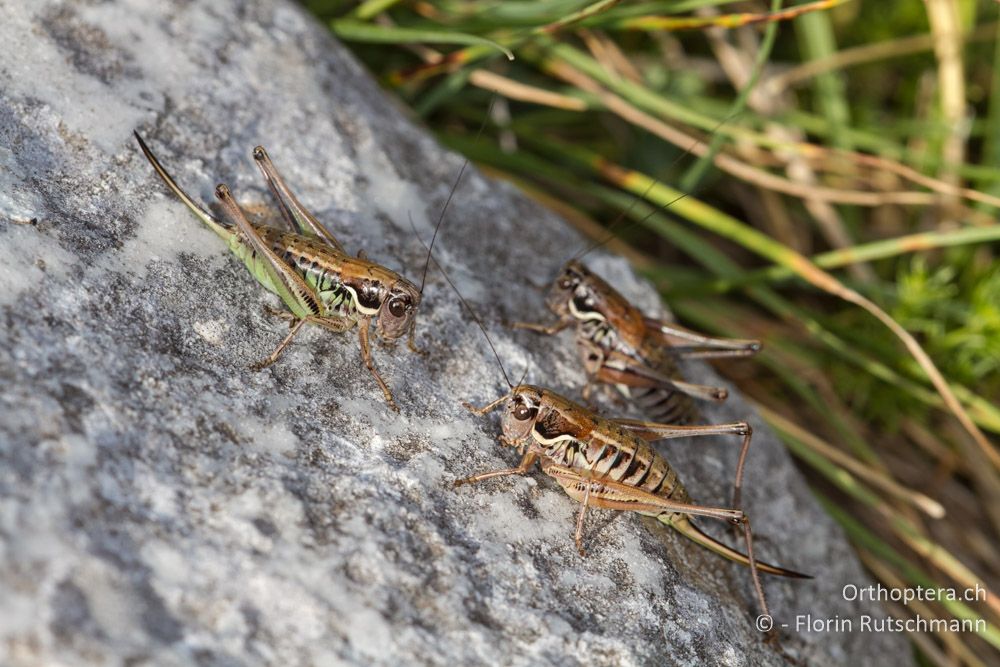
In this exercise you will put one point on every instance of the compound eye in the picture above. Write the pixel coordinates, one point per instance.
(523, 412)
(397, 307)
(565, 283)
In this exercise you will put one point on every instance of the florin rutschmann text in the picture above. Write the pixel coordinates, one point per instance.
(899, 623)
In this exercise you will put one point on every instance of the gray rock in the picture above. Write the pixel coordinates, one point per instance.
(162, 504)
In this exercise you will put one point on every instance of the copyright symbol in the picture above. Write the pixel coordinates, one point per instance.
(764, 623)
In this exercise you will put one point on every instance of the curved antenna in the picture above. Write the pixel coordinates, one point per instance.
(461, 172)
(621, 216)
(464, 302)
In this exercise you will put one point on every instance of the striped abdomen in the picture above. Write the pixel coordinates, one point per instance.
(613, 453)
(663, 404)
(660, 404)
(317, 263)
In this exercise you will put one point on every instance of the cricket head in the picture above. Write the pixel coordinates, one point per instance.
(577, 292)
(398, 313)
(582, 295)
(565, 287)
(520, 412)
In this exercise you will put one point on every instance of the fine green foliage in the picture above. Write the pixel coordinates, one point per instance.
(821, 175)
(956, 307)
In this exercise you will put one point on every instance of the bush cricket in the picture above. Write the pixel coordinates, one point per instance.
(609, 463)
(621, 346)
(309, 269)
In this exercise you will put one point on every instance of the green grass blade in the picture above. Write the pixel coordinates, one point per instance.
(357, 31)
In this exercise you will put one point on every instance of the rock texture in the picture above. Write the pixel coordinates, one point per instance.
(162, 504)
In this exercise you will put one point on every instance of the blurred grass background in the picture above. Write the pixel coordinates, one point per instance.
(839, 161)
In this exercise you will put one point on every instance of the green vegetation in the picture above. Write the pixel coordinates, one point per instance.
(824, 176)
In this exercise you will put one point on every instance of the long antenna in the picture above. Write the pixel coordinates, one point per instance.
(464, 303)
(621, 216)
(527, 366)
(454, 187)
